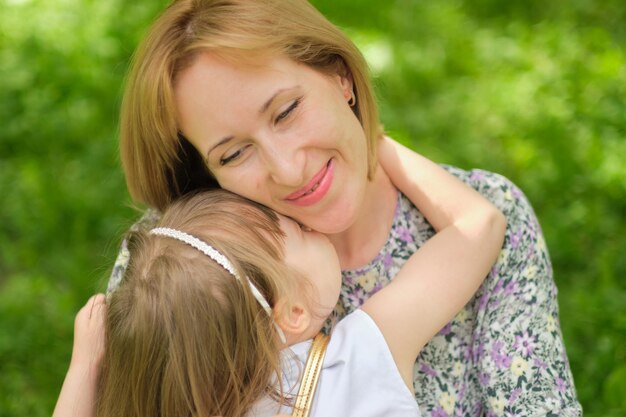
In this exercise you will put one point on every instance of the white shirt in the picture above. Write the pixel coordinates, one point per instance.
(359, 376)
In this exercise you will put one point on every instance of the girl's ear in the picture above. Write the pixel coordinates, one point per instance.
(293, 318)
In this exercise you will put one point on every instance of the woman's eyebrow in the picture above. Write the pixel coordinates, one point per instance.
(268, 103)
(218, 144)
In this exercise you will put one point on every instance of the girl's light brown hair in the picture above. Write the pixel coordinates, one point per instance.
(159, 163)
(185, 337)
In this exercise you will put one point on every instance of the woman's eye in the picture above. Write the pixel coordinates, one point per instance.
(233, 156)
(288, 111)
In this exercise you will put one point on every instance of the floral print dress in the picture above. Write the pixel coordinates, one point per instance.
(503, 353)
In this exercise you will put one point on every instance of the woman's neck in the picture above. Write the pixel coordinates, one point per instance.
(362, 241)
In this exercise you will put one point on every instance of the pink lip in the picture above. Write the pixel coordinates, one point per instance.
(321, 182)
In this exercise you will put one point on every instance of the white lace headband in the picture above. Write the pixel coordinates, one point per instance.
(214, 254)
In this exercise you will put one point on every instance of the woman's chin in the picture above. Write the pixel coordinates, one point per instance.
(332, 222)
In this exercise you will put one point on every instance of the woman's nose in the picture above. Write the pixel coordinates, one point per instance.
(285, 165)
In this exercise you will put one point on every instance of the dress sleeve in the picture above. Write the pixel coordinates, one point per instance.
(147, 220)
(517, 344)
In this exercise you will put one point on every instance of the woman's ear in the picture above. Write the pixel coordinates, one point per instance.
(343, 77)
(346, 85)
(294, 319)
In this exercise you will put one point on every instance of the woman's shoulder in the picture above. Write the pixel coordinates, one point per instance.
(480, 179)
(498, 189)
(412, 227)
(147, 221)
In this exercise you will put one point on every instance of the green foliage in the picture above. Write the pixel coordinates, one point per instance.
(532, 90)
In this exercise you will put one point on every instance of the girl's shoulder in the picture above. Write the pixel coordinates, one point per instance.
(359, 365)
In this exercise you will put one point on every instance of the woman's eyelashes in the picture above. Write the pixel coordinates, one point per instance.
(233, 156)
(284, 114)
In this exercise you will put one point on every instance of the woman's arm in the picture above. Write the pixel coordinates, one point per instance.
(439, 279)
(78, 394)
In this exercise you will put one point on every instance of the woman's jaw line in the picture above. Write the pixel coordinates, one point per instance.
(368, 229)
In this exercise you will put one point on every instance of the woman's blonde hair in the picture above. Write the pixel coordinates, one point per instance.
(159, 163)
(184, 336)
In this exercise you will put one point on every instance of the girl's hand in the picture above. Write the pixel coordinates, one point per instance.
(88, 349)
(78, 394)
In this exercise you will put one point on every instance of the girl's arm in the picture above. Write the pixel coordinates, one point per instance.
(78, 394)
(441, 277)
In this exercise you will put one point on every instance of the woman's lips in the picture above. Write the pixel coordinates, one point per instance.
(316, 189)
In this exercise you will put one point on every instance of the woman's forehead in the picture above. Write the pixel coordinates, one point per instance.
(214, 90)
(225, 66)
(224, 81)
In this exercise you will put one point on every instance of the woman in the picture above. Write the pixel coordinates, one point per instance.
(271, 101)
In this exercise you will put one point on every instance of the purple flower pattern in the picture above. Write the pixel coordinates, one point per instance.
(524, 343)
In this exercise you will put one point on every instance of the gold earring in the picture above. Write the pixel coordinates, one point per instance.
(352, 100)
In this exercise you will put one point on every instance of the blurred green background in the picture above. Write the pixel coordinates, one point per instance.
(531, 89)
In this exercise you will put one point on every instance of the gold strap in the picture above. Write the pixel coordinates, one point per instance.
(311, 375)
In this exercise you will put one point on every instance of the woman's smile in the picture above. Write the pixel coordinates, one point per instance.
(315, 189)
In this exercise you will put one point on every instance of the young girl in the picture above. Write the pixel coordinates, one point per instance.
(218, 291)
